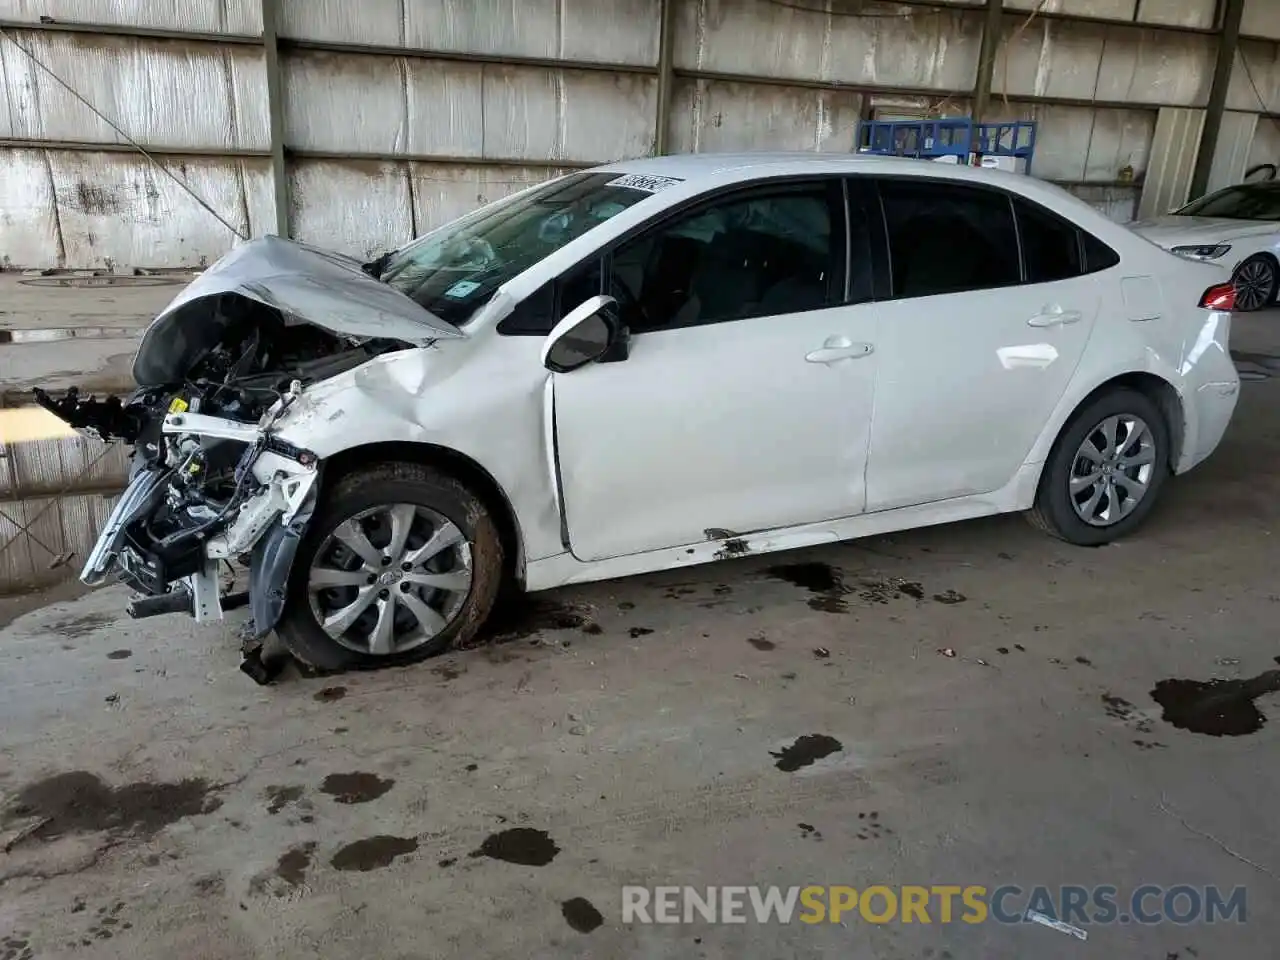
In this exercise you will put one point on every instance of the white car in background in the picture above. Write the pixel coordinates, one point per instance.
(1237, 227)
(652, 364)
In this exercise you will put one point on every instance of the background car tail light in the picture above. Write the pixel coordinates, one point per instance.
(1221, 296)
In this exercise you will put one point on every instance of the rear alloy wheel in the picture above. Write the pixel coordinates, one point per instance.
(1255, 282)
(1105, 471)
(400, 562)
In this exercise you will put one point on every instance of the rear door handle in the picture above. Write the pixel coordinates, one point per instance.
(832, 354)
(1054, 317)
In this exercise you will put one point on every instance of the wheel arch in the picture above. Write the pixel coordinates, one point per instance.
(1156, 388)
(456, 464)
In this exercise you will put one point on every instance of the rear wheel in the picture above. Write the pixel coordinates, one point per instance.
(1255, 281)
(1105, 471)
(400, 562)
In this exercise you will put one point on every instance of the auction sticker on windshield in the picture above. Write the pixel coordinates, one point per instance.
(640, 181)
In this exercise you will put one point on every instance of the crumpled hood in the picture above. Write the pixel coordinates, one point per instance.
(1175, 231)
(307, 285)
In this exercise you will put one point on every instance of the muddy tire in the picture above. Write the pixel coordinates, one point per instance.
(400, 562)
(1105, 471)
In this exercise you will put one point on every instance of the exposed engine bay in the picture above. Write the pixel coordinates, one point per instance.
(207, 476)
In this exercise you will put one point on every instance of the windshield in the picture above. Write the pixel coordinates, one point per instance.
(456, 269)
(1248, 201)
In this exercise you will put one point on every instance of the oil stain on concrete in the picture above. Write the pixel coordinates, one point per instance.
(522, 845)
(581, 914)
(806, 751)
(1216, 708)
(372, 853)
(81, 802)
(355, 787)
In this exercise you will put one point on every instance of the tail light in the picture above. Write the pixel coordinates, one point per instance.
(1221, 296)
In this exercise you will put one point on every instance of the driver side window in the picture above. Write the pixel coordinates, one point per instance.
(769, 252)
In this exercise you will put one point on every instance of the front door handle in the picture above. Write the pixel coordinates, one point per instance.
(846, 351)
(1054, 317)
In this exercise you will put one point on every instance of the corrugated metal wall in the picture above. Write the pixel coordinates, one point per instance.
(399, 114)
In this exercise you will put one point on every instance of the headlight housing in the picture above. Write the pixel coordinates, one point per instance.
(1207, 251)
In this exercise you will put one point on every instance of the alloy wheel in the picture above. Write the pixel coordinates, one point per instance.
(390, 578)
(1112, 470)
(1255, 282)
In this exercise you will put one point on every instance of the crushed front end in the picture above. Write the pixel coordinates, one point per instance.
(211, 485)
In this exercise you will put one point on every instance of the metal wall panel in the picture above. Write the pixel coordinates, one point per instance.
(222, 16)
(1089, 61)
(61, 463)
(1261, 18)
(1255, 78)
(367, 104)
(116, 210)
(1173, 158)
(1085, 143)
(927, 48)
(168, 93)
(1236, 140)
(603, 31)
(1118, 203)
(709, 116)
(1180, 13)
(1265, 146)
(443, 192)
(359, 207)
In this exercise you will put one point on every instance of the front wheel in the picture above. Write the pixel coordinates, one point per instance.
(400, 562)
(1255, 282)
(1105, 471)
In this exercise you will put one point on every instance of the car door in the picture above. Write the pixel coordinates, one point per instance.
(745, 399)
(979, 338)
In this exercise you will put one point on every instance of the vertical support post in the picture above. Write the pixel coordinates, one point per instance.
(662, 120)
(275, 112)
(992, 30)
(1228, 42)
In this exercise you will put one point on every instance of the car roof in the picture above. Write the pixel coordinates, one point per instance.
(730, 167)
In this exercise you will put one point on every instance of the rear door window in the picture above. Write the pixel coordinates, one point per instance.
(948, 237)
(1051, 248)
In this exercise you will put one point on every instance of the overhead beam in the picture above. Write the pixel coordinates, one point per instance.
(275, 113)
(1228, 43)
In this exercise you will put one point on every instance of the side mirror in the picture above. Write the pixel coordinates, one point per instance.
(583, 336)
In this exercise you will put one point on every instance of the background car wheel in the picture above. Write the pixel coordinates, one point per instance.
(1255, 282)
(400, 562)
(1105, 471)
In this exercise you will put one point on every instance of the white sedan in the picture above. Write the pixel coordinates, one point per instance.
(652, 364)
(1237, 227)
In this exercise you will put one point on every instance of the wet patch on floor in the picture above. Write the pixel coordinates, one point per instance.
(522, 845)
(372, 853)
(447, 672)
(82, 626)
(809, 831)
(355, 787)
(520, 617)
(581, 914)
(636, 633)
(805, 751)
(293, 863)
(119, 654)
(107, 923)
(760, 643)
(822, 580)
(1216, 708)
(17, 947)
(280, 797)
(81, 802)
(950, 597)
(330, 694)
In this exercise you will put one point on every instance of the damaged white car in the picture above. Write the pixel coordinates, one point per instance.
(656, 363)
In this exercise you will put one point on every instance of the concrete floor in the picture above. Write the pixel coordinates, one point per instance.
(215, 819)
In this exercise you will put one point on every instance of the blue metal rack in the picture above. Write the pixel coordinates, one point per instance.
(957, 137)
